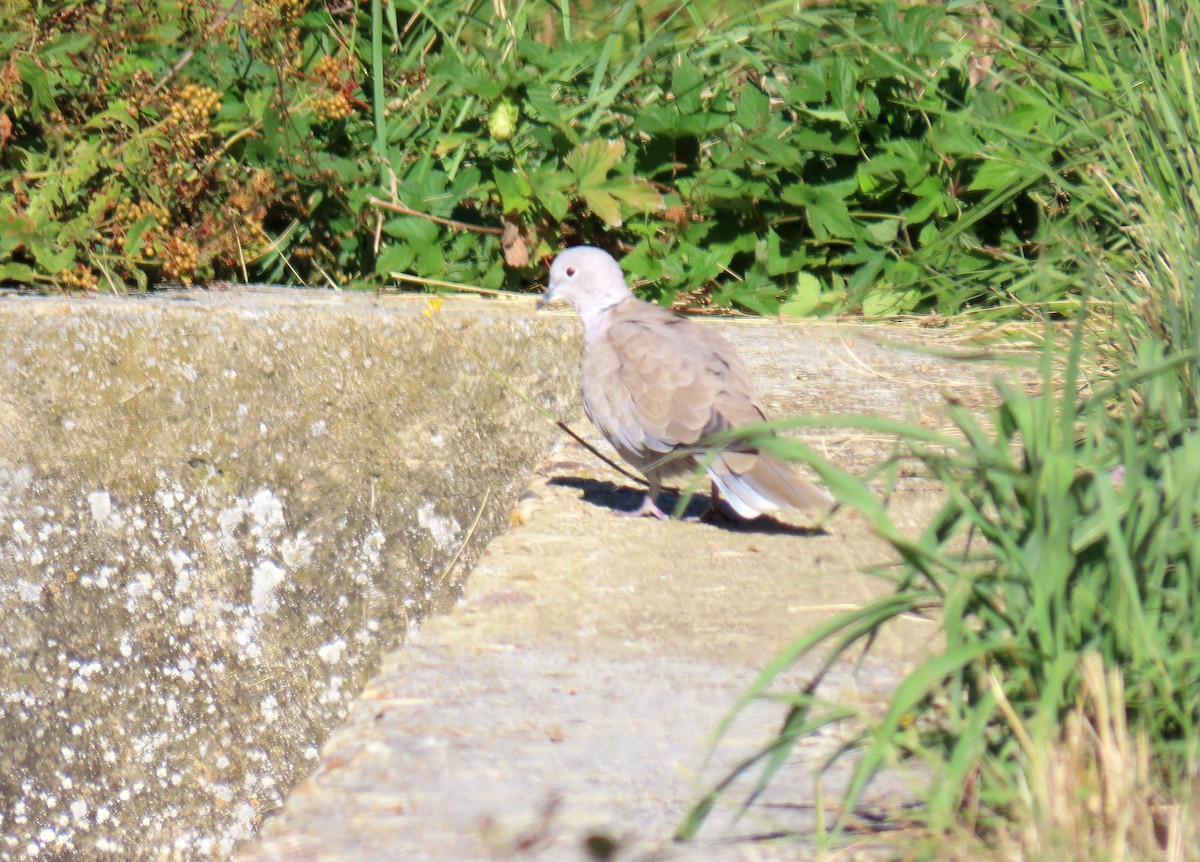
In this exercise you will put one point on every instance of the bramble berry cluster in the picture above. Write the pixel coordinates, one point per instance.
(335, 106)
(80, 277)
(126, 213)
(266, 20)
(330, 70)
(192, 108)
(180, 258)
(334, 74)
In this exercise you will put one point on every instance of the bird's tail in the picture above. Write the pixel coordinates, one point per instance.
(753, 484)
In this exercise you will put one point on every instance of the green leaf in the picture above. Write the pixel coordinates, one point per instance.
(720, 183)
(810, 87)
(996, 173)
(514, 191)
(667, 122)
(592, 161)
(643, 264)
(869, 265)
(1101, 82)
(843, 88)
(753, 109)
(16, 230)
(932, 199)
(884, 231)
(604, 205)
(757, 292)
(51, 258)
(887, 301)
(821, 141)
(912, 159)
(917, 26)
(870, 185)
(776, 151)
(465, 183)
(43, 84)
(825, 206)
(554, 201)
(781, 260)
(804, 298)
(395, 257)
(415, 231)
(431, 260)
(637, 193)
(693, 264)
(272, 125)
(541, 100)
(72, 43)
(953, 134)
(549, 187)
(686, 85)
(838, 115)
(10, 272)
(591, 164)
(133, 237)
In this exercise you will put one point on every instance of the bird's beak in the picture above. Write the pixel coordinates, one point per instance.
(548, 296)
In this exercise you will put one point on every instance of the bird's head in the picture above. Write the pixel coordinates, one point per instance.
(586, 277)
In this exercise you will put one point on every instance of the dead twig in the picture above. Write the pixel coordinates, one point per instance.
(433, 282)
(395, 206)
(462, 546)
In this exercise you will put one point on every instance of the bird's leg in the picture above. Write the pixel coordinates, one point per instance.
(714, 513)
(649, 507)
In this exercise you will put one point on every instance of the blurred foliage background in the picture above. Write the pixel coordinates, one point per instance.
(810, 158)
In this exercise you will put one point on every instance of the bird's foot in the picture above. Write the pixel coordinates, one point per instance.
(648, 509)
(715, 514)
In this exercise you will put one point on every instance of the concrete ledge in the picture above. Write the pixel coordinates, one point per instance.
(562, 709)
(216, 511)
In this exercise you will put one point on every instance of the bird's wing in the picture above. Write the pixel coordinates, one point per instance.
(655, 382)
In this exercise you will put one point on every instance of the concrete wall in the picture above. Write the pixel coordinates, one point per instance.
(216, 510)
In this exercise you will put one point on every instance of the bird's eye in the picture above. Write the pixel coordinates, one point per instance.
(570, 272)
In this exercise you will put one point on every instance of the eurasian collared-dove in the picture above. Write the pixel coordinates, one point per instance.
(656, 383)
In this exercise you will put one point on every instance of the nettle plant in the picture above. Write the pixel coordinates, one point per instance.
(774, 159)
(761, 160)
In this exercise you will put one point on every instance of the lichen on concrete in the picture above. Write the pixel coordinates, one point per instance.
(216, 511)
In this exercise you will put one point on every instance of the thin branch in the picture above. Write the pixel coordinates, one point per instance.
(462, 546)
(609, 461)
(433, 282)
(449, 222)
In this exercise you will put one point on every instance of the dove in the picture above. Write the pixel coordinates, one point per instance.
(657, 384)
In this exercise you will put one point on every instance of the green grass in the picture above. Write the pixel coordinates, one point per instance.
(1065, 563)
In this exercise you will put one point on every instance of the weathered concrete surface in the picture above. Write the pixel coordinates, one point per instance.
(216, 511)
(564, 707)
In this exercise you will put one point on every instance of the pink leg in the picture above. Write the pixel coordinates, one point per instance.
(649, 507)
